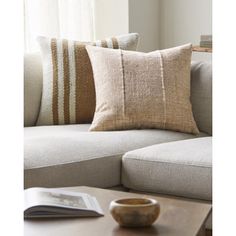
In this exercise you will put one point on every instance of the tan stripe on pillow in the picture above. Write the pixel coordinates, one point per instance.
(55, 82)
(84, 85)
(72, 81)
(115, 43)
(104, 43)
(66, 82)
(60, 82)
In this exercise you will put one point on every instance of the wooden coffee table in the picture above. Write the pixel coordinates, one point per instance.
(177, 218)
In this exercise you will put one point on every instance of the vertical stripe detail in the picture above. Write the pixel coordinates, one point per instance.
(163, 90)
(60, 82)
(72, 80)
(85, 89)
(55, 82)
(123, 80)
(104, 43)
(77, 82)
(115, 43)
(66, 82)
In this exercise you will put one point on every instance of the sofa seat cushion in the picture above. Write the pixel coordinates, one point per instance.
(181, 168)
(67, 155)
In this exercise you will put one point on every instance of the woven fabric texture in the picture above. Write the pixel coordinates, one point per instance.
(68, 95)
(137, 90)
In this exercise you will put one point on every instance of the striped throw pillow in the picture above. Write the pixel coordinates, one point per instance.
(68, 95)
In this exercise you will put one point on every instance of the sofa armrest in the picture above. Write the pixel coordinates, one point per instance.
(32, 87)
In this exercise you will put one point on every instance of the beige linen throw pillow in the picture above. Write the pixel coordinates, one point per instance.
(136, 90)
(68, 95)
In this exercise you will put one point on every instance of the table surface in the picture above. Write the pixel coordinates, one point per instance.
(177, 217)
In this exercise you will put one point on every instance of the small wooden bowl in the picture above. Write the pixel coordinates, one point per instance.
(135, 212)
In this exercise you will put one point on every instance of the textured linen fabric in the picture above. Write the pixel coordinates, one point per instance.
(68, 95)
(32, 87)
(69, 155)
(201, 95)
(181, 168)
(142, 90)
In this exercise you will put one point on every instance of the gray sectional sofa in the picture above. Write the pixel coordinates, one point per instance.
(154, 161)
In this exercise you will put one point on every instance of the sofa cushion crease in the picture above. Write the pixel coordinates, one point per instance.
(141, 159)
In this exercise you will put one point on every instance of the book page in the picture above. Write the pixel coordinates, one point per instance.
(60, 198)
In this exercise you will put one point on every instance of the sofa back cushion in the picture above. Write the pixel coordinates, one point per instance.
(201, 95)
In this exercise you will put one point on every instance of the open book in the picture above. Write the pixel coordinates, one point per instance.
(48, 202)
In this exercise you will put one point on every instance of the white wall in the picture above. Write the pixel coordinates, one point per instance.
(115, 17)
(183, 21)
(111, 18)
(160, 23)
(144, 18)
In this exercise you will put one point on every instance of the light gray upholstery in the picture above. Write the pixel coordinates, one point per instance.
(201, 95)
(68, 155)
(181, 168)
(32, 87)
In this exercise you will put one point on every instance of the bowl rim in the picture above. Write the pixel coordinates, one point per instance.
(152, 202)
